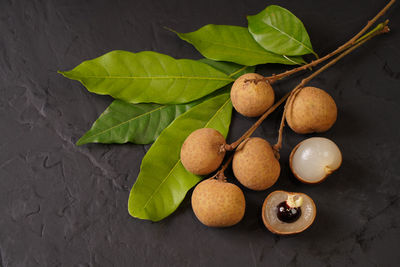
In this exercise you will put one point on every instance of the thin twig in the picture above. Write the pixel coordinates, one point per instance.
(249, 132)
(297, 89)
(220, 175)
(356, 38)
(350, 45)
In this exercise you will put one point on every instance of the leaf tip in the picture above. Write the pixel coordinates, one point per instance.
(80, 142)
(131, 208)
(171, 30)
(64, 73)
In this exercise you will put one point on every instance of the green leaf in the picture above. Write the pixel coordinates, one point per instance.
(148, 77)
(233, 44)
(142, 123)
(231, 69)
(124, 122)
(163, 181)
(279, 31)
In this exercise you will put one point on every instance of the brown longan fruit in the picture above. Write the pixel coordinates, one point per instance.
(218, 203)
(255, 165)
(251, 98)
(312, 110)
(203, 151)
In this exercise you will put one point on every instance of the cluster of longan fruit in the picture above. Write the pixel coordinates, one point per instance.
(218, 203)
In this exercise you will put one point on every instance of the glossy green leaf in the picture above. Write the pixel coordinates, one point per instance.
(148, 77)
(233, 44)
(125, 122)
(277, 30)
(142, 123)
(163, 181)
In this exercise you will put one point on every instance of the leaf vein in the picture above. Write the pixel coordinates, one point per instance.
(216, 113)
(158, 187)
(238, 71)
(292, 38)
(159, 77)
(124, 122)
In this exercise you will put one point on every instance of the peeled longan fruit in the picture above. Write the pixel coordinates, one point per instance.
(314, 159)
(218, 203)
(312, 110)
(251, 98)
(255, 165)
(203, 151)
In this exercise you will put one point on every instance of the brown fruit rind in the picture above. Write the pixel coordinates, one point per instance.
(218, 203)
(201, 152)
(275, 231)
(298, 177)
(312, 110)
(254, 164)
(249, 98)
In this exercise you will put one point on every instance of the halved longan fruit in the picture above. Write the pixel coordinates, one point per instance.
(272, 207)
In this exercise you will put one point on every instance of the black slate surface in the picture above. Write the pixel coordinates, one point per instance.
(63, 205)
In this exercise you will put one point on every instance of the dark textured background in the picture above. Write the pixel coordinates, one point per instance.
(63, 205)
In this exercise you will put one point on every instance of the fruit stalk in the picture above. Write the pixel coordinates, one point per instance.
(249, 132)
(381, 28)
(378, 30)
(352, 42)
(220, 175)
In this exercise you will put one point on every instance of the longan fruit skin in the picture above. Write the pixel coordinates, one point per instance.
(218, 203)
(201, 152)
(312, 110)
(251, 99)
(254, 164)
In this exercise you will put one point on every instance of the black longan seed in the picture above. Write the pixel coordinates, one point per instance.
(287, 214)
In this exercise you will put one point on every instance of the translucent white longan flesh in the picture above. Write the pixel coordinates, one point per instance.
(315, 158)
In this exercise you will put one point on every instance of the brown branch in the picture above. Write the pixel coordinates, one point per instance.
(298, 88)
(350, 45)
(249, 132)
(275, 77)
